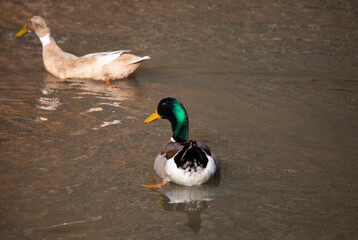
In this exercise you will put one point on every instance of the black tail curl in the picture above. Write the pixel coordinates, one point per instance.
(191, 156)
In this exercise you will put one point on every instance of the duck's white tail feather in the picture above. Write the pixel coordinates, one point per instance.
(104, 59)
(140, 59)
(105, 53)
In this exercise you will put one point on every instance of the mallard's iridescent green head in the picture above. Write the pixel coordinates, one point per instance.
(174, 111)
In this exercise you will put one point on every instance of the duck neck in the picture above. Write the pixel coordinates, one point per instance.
(45, 40)
(180, 125)
(45, 37)
(50, 48)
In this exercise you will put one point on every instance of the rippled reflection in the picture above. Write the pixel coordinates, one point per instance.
(54, 89)
(118, 91)
(190, 200)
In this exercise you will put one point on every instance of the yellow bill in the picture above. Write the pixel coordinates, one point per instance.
(21, 32)
(153, 117)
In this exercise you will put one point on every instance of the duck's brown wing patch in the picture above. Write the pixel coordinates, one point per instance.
(171, 149)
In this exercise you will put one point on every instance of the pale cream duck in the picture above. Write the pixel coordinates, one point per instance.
(97, 66)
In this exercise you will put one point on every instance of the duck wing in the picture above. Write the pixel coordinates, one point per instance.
(98, 60)
(168, 152)
(106, 54)
(171, 149)
(104, 58)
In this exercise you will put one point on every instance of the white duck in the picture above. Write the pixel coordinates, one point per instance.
(98, 66)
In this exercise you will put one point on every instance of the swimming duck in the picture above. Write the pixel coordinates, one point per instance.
(98, 66)
(182, 161)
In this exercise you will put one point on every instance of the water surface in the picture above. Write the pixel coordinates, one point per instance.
(271, 87)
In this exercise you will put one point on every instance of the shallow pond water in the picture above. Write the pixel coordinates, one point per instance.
(271, 87)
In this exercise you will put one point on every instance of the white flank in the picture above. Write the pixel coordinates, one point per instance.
(184, 177)
(45, 40)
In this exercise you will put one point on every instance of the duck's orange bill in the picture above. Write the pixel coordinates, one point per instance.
(153, 117)
(23, 31)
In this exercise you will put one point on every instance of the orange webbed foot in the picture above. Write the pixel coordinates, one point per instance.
(155, 185)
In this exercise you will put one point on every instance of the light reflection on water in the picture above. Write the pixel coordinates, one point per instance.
(190, 200)
(270, 87)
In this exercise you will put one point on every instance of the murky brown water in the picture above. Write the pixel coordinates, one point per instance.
(271, 87)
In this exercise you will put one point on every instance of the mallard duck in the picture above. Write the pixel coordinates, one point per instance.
(182, 161)
(98, 66)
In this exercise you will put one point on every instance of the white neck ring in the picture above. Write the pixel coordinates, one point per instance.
(45, 40)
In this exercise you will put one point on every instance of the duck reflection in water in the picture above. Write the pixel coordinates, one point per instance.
(190, 200)
(120, 90)
(80, 98)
